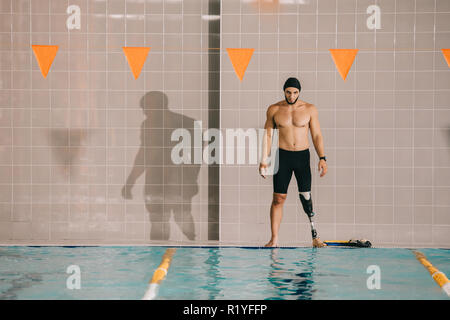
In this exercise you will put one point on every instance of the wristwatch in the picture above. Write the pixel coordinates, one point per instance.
(324, 158)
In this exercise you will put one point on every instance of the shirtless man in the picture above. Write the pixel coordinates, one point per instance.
(293, 118)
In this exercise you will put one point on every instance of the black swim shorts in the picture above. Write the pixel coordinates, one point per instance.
(292, 161)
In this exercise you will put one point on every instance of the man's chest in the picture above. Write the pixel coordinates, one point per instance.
(294, 118)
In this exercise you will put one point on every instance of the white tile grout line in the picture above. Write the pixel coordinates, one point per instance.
(144, 105)
(163, 113)
(433, 137)
(354, 125)
(413, 125)
(373, 129)
(106, 117)
(335, 125)
(12, 130)
(220, 115)
(393, 146)
(124, 203)
(239, 121)
(11, 207)
(31, 121)
(50, 123)
(182, 116)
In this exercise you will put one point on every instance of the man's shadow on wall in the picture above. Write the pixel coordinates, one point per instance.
(168, 187)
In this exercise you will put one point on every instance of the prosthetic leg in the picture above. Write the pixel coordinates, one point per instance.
(305, 198)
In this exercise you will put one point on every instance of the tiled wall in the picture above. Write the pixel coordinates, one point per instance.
(70, 143)
(386, 128)
(85, 153)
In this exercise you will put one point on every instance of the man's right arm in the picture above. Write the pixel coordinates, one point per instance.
(268, 134)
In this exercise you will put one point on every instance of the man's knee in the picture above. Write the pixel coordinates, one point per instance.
(278, 199)
(305, 198)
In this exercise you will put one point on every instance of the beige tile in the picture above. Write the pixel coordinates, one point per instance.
(423, 177)
(288, 232)
(403, 196)
(403, 158)
(230, 232)
(384, 158)
(423, 138)
(133, 213)
(422, 234)
(403, 177)
(344, 157)
(364, 158)
(384, 119)
(440, 236)
(441, 176)
(21, 212)
(403, 234)
(364, 138)
(6, 230)
(115, 230)
(115, 213)
(326, 232)
(345, 231)
(423, 196)
(59, 212)
(384, 195)
(40, 230)
(97, 212)
(383, 214)
(135, 231)
(40, 212)
(384, 176)
(441, 216)
(252, 233)
(364, 195)
(20, 193)
(383, 138)
(383, 234)
(364, 214)
(326, 195)
(345, 214)
(21, 231)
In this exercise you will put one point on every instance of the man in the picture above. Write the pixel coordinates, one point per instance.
(292, 117)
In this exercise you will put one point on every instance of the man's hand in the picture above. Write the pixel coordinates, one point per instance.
(262, 169)
(323, 166)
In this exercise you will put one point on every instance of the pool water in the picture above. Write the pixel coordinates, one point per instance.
(218, 273)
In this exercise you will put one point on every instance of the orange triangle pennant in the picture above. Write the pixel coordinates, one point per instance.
(240, 58)
(44, 55)
(446, 53)
(343, 59)
(136, 57)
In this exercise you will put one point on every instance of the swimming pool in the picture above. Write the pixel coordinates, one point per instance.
(219, 273)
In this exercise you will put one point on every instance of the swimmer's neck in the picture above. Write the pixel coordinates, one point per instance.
(297, 104)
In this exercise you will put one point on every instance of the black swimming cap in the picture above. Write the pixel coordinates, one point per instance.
(292, 82)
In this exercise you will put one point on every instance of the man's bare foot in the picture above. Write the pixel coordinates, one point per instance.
(317, 243)
(272, 243)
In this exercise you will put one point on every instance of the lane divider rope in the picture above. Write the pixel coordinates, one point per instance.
(438, 276)
(159, 275)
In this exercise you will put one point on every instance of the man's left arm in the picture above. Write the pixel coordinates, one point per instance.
(317, 138)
